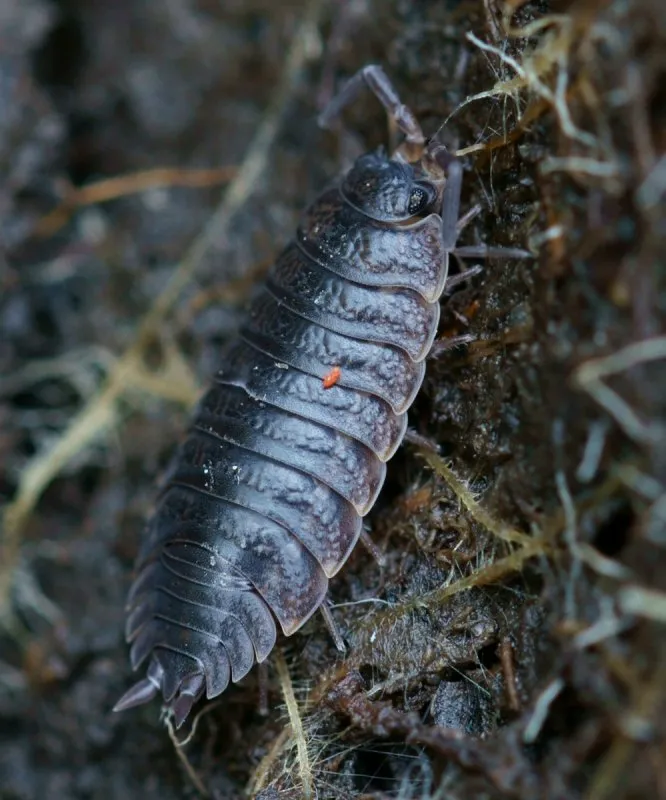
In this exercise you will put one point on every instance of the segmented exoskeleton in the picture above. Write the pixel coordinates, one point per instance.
(287, 451)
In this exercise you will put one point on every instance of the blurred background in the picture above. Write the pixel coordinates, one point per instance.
(512, 646)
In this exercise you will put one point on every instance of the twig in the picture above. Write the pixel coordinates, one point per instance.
(509, 672)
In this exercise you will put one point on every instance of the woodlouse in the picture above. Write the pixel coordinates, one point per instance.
(264, 500)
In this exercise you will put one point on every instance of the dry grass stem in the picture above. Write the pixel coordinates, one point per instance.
(296, 725)
(122, 185)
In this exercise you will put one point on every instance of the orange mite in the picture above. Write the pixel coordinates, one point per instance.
(332, 378)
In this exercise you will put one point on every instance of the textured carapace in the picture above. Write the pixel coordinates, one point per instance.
(263, 502)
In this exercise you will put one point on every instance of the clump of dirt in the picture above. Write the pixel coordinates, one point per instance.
(512, 644)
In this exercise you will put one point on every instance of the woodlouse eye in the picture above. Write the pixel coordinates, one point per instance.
(418, 200)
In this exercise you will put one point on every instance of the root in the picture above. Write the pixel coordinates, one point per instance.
(588, 377)
(466, 497)
(262, 773)
(554, 52)
(185, 761)
(296, 726)
(638, 601)
(640, 721)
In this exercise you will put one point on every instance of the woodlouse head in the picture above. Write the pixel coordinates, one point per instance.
(387, 189)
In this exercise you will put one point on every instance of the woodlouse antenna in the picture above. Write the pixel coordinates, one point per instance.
(333, 629)
(374, 78)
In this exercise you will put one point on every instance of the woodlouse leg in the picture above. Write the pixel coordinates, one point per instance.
(374, 78)
(455, 280)
(372, 548)
(440, 346)
(468, 216)
(333, 628)
(451, 197)
(483, 251)
(452, 223)
(420, 441)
